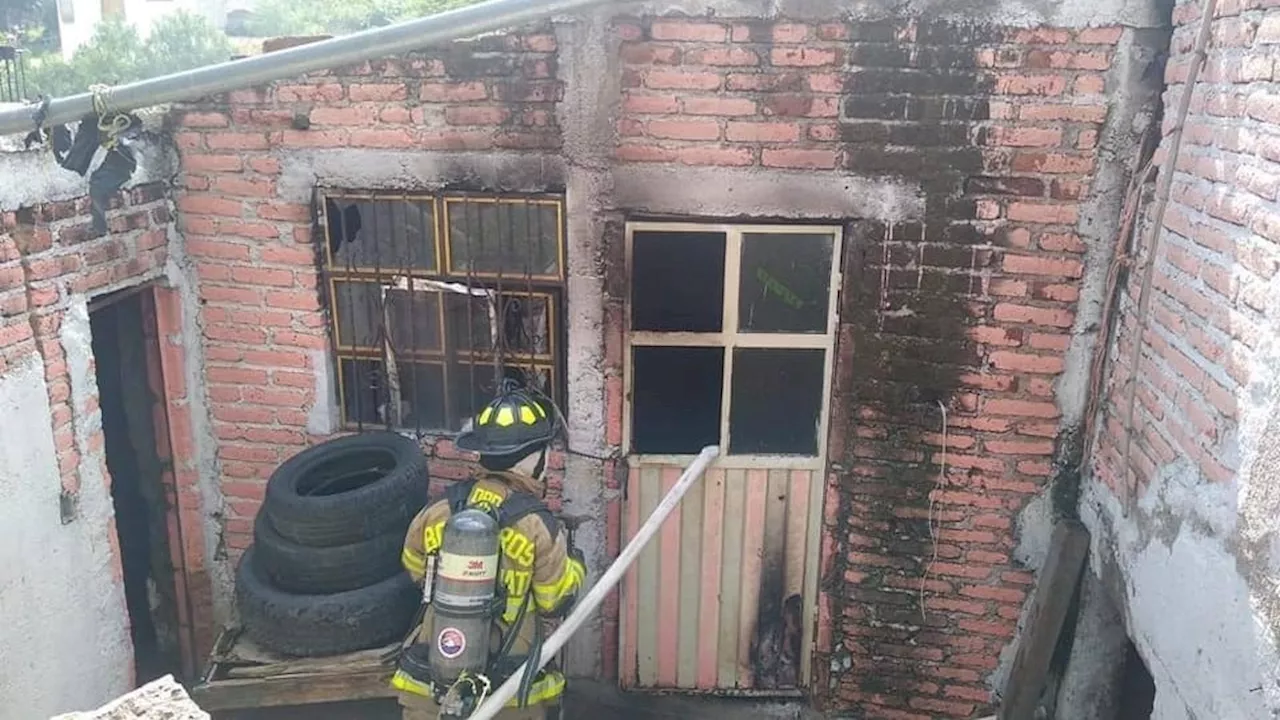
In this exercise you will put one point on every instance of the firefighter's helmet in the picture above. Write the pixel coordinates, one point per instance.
(513, 425)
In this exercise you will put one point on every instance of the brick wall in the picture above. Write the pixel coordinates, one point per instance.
(50, 253)
(1217, 253)
(969, 309)
(253, 247)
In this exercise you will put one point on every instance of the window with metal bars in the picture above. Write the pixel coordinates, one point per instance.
(433, 299)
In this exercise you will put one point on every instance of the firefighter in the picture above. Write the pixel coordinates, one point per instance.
(491, 533)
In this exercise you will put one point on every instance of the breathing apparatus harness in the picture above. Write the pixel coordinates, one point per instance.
(461, 580)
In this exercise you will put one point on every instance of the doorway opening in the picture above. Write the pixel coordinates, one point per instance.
(1137, 688)
(131, 410)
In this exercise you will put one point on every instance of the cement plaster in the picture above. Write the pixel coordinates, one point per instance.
(753, 192)
(588, 64)
(31, 177)
(64, 644)
(303, 170)
(1190, 612)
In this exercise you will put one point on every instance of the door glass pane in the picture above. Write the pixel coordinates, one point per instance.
(677, 281)
(387, 235)
(785, 283)
(775, 402)
(676, 399)
(517, 239)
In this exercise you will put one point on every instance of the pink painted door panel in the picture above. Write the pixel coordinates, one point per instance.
(716, 579)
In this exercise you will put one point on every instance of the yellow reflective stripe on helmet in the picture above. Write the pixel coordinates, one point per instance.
(484, 416)
(505, 417)
(550, 595)
(413, 562)
(549, 686)
(526, 415)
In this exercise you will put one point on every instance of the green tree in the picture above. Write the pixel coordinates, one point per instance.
(117, 54)
(31, 24)
(307, 17)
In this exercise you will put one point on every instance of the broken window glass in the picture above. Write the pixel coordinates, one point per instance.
(413, 319)
(381, 234)
(785, 283)
(676, 393)
(524, 323)
(405, 326)
(775, 401)
(677, 281)
(357, 307)
(473, 385)
(511, 238)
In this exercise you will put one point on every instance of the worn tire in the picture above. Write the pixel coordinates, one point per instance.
(385, 486)
(308, 570)
(319, 625)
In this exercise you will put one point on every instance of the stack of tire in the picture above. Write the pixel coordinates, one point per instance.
(323, 575)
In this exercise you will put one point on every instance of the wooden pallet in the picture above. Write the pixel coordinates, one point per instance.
(242, 675)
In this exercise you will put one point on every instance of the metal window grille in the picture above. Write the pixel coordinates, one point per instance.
(434, 299)
(13, 75)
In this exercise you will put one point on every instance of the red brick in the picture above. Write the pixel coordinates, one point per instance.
(205, 162)
(1054, 317)
(688, 31)
(476, 115)
(236, 141)
(684, 129)
(762, 132)
(652, 104)
(1049, 213)
(646, 153)
(1022, 408)
(453, 92)
(382, 138)
(367, 92)
(1089, 85)
(728, 106)
(1025, 362)
(1053, 163)
(804, 57)
(324, 92)
(650, 54)
(209, 205)
(676, 80)
(818, 159)
(1030, 84)
(1036, 265)
(722, 57)
(1100, 36)
(1069, 113)
(1026, 137)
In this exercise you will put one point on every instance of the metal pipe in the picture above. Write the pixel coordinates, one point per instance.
(495, 702)
(299, 60)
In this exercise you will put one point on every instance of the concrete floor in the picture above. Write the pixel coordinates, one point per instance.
(585, 700)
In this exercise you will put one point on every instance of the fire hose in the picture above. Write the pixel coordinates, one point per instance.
(498, 699)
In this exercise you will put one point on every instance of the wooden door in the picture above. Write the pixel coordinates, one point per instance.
(730, 336)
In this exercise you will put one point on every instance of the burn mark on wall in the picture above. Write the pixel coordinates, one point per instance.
(912, 293)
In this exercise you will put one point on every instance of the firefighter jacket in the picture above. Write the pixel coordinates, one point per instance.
(535, 563)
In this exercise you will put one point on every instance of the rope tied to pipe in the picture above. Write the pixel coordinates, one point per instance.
(111, 122)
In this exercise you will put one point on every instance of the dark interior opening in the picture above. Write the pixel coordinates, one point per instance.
(677, 281)
(347, 473)
(1138, 689)
(676, 394)
(120, 349)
